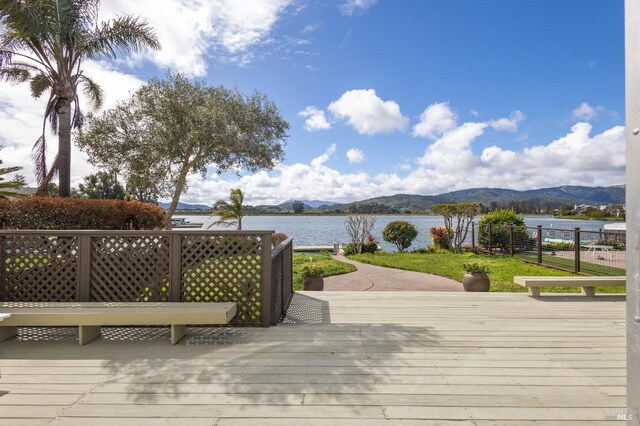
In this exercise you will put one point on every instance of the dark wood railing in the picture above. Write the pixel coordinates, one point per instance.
(148, 266)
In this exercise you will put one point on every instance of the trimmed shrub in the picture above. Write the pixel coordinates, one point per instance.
(441, 238)
(79, 213)
(400, 233)
(370, 247)
(501, 221)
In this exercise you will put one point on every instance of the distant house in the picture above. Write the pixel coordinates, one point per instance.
(582, 208)
(27, 190)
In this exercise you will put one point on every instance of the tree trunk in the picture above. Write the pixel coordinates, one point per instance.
(64, 148)
(182, 179)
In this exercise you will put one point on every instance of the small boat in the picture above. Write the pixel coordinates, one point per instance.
(181, 222)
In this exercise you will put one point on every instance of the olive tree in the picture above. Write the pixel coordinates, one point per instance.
(173, 127)
(457, 218)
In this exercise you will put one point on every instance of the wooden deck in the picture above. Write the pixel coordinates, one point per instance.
(342, 358)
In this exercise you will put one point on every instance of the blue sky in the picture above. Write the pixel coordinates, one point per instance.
(427, 96)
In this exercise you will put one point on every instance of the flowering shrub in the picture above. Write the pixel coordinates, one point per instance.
(441, 238)
(79, 213)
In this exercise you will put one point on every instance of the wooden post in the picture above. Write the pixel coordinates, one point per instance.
(84, 268)
(281, 282)
(3, 261)
(632, 130)
(265, 308)
(539, 244)
(511, 239)
(489, 237)
(175, 264)
(576, 248)
(473, 235)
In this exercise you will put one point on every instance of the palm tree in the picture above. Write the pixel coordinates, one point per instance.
(44, 42)
(230, 213)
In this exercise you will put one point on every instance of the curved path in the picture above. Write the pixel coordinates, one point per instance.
(378, 278)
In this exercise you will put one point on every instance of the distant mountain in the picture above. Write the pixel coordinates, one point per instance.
(312, 204)
(407, 203)
(556, 197)
(185, 206)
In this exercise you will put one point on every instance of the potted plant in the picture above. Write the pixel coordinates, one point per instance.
(312, 277)
(475, 277)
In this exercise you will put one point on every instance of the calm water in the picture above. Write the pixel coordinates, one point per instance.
(325, 230)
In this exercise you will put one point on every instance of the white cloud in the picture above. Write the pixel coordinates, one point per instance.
(448, 164)
(435, 120)
(508, 124)
(474, 113)
(367, 113)
(356, 156)
(310, 28)
(316, 120)
(191, 30)
(584, 111)
(326, 156)
(349, 7)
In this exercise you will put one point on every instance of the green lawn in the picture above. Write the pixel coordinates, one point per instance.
(329, 264)
(449, 264)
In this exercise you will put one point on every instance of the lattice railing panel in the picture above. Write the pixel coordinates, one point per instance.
(130, 269)
(39, 268)
(217, 268)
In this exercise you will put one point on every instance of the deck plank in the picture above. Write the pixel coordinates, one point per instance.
(381, 358)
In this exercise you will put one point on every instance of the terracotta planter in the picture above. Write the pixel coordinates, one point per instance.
(475, 282)
(312, 283)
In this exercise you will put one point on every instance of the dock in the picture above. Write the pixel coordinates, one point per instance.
(315, 249)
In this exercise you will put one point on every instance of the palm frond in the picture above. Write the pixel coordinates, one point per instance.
(124, 34)
(43, 186)
(39, 155)
(93, 91)
(39, 84)
(5, 187)
(14, 74)
(230, 213)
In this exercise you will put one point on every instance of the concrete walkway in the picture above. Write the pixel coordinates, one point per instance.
(378, 278)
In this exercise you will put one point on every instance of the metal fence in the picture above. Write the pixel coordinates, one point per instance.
(150, 266)
(576, 250)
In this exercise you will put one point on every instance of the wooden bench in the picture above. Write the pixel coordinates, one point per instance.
(90, 316)
(588, 284)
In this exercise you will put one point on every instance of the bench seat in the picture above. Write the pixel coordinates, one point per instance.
(90, 316)
(588, 284)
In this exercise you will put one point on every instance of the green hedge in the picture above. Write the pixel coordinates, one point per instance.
(79, 213)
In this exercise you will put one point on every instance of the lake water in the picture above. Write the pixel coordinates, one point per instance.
(325, 230)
